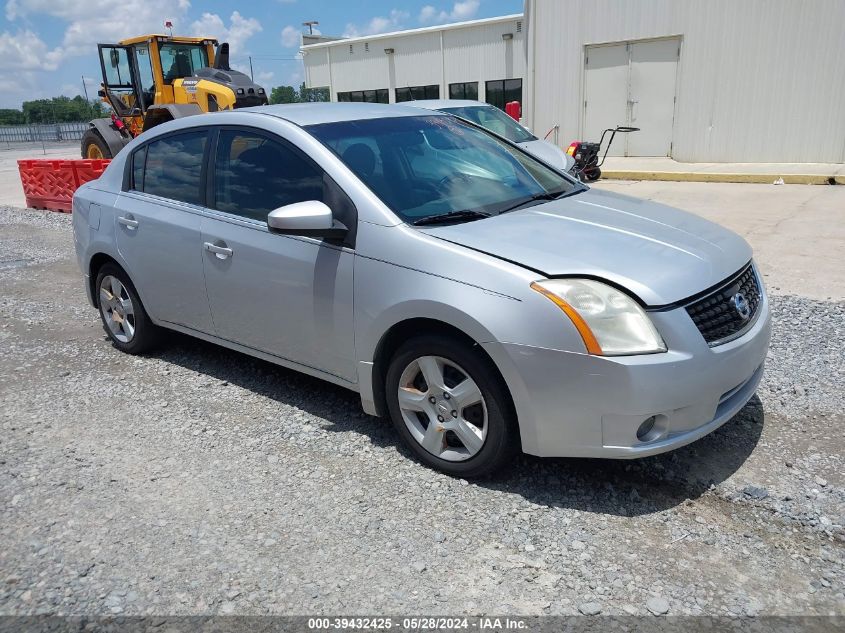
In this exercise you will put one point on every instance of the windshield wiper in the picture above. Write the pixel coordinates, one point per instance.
(549, 195)
(453, 216)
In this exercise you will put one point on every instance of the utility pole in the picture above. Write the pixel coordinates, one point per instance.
(310, 26)
(85, 89)
(250, 68)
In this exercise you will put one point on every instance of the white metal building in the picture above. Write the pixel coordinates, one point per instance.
(705, 80)
(472, 60)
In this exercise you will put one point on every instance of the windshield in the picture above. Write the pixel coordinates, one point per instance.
(493, 119)
(428, 166)
(182, 60)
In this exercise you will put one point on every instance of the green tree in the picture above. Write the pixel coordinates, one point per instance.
(61, 110)
(289, 94)
(313, 94)
(11, 117)
(284, 94)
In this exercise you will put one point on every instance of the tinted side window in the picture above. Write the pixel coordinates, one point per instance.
(254, 175)
(139, 159)
(174, 167)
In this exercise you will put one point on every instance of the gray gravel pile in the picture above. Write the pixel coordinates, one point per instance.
(197, 480)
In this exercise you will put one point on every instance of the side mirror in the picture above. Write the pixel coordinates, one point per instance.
(311, 219)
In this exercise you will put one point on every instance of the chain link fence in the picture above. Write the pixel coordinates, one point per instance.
(42, 132)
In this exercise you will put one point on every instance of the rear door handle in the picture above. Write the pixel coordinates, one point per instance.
(129, 223)
(221, 252)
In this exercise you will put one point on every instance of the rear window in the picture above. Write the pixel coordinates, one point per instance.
(171, 167)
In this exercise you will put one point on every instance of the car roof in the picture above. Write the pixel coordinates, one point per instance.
(438, 104)
(315, 113)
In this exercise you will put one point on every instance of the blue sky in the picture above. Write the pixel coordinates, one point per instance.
(47, 46)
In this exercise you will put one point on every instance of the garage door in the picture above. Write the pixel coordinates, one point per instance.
(632, 83)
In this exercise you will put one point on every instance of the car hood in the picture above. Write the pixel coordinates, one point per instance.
(549, 153)
(660, 254)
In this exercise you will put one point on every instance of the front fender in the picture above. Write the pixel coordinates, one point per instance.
(397, 294)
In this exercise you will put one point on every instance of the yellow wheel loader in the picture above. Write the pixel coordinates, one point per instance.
(151, 79)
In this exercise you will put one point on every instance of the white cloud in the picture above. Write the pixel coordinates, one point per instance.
(428, 14)
(296, 78)
(240, 29)
(290, 36)
(378, 24)
(70, 90)
(25, 51)
(99, 20)
(264, 76)
(462, 10)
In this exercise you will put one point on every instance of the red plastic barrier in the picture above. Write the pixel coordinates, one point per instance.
(49, 184)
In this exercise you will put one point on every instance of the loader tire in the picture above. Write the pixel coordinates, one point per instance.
(93, 145)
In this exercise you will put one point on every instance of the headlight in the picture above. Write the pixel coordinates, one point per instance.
(609, 321)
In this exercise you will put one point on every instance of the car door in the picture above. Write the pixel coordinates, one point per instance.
(157, 228)
(288, 296)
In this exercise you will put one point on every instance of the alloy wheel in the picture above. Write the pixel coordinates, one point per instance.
(443, 408)
(117, 309)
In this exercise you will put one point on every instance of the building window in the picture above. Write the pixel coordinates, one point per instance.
(503, 91)
(368, 96)
(468, 90)
(417, 93)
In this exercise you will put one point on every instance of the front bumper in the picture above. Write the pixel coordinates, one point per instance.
(576, 405)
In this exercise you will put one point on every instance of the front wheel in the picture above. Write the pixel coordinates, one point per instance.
(450, 407)
(93, 145)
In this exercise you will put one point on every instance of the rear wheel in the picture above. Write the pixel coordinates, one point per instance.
(124, 318)
(93, 145)
(450, 407)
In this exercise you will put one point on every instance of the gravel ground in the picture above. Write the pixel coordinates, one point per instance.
(198, 480)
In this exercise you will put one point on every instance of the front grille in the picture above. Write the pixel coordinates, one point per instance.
(720, 316)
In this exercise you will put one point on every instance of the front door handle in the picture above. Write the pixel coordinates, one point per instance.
(129, 223)
(221, 252)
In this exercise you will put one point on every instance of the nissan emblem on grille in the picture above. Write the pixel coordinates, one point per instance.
(742, 306)
(727, 311)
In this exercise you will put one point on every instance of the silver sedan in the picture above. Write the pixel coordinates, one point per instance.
(483, 301)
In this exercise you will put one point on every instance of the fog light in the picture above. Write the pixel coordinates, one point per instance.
(645, 428)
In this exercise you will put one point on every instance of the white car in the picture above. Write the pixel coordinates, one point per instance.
(494, 120)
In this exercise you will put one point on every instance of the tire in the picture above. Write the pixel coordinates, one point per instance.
(592, 174)
(93, 145)
(126, 322)
(492, 418)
